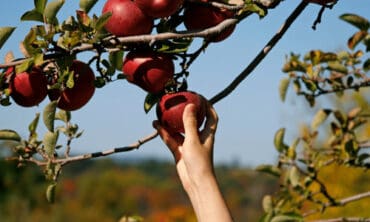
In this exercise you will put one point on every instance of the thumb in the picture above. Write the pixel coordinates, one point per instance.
(190, 121)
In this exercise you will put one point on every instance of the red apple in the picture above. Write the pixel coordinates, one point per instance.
(197, 17)
(148, 69)
(83, 89)
(127, 18)
(171, 106)
(28, 88)
(159, 8)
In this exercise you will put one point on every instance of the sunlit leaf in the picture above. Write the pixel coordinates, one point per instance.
(279, 140)
(267, 203)
(116, 59)
(63, 115)
(49, 115)
(356, 38)
(51, 10)
(356, 20)
(32, 15)
(102, 20)
(33, 125)
(283, 88)
(40, 5)
(294, 176)
(70, 81)
(7, 134)
(287, 218)
(24, 66)
(319, 118)
(272, 170)
(86, 5)
(5, 33)
(50, 142)
(150, 101)
(50, 192)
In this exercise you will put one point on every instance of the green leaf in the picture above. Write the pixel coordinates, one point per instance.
(279, 140)
(51, 10)
(267, 204)
(5, 33)
(356, 38)
(150, 101)
(356, 20)
(287, 218)
(272, 170)
(49, 115)
(40, 5)
(86, 5)
(33, 125)
(50, 192)
(319, 118)
(32, 15)
(116, 59)
(283, 88)
(366, 65)
(50, 142)
(102, 20)
(70, 81)
(310, 84)
(63, 115)
(255, 9)
(294, 176)
(291, 152)
(7, 134)
(24, 66)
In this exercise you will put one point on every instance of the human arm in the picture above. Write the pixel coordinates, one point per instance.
(194, 162)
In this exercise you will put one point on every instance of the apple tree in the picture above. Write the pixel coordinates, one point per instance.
(148, 43)
(336, 140)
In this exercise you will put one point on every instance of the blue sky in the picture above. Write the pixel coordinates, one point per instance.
(249, 117)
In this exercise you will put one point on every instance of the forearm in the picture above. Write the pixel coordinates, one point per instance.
(207, 200)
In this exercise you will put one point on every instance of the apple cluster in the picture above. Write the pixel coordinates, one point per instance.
(136, 17)
(31, 87)
(153, 71)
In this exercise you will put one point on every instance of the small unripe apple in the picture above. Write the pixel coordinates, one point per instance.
(83, 89)
(28, 88)
(159, 8)
(197, 17)
(171, 106)
(127, 18)
(148, 69)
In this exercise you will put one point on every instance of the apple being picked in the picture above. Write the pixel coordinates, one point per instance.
(159, 8)
(197, 17)
(83, 89)
(28, 88)
(148, 69)
(171, 106)
(127, 18)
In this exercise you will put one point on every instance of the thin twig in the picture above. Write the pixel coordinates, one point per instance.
(341, 202)
(344, 219)
(114, 42)
(261, 55)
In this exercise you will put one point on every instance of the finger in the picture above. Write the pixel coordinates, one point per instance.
(210, 127)
(172, 141)
(190, 122)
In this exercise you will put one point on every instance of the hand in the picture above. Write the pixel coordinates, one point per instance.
(193, 154)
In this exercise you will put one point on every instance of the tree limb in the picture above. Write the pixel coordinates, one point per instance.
(341, 202)
(261, 55)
